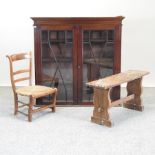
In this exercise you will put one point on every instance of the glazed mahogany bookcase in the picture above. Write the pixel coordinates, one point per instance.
(72, 51)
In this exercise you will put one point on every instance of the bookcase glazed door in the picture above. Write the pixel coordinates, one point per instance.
(98, 58)
(57, 63)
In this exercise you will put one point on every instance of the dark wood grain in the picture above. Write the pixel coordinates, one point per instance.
(78, 25)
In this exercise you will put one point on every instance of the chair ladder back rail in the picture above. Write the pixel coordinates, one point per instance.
(22, 79)
(20, 56)
(21, 71)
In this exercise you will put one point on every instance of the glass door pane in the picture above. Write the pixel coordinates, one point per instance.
(57, 70)
(98, 54)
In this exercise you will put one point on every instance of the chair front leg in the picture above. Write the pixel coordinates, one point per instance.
(30, 110)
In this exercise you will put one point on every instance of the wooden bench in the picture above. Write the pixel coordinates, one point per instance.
(102, 88)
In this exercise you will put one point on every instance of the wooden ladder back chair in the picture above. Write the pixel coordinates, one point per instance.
(33, 92)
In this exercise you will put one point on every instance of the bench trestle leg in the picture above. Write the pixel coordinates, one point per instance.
(134, 87)
(101, 105)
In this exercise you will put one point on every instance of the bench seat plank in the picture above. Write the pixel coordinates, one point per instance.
(117, 79)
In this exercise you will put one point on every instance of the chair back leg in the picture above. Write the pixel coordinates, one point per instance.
(15, 103)
(53, 102)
